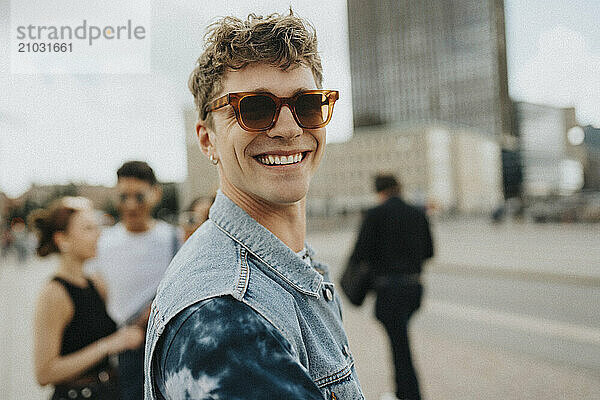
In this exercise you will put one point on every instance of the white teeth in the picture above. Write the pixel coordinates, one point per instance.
(280, 160)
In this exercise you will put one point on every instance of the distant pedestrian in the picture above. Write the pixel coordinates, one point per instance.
(73, 334)
(21, 237)
(132, 258)
(393, 242)
(6, 241)
(195, 215)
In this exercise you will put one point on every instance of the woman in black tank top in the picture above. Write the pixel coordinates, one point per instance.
(73, 334)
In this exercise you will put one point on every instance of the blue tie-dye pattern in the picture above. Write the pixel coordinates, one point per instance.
(222, 349)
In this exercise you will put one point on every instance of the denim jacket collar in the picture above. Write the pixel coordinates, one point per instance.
(264, 245)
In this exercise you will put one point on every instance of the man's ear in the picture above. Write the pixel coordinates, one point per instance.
(204, 140)
(157, 193)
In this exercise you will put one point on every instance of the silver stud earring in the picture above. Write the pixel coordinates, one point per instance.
(213, 160)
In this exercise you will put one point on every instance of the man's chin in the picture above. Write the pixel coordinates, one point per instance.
(286, 196)
(134, 225)
(277, 193)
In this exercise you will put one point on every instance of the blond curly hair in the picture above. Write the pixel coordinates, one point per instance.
(283, 41)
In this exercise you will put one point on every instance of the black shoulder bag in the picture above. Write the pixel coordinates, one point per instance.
(356, 281)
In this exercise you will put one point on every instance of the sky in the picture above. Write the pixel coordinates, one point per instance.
(58, 128)
(553, 54)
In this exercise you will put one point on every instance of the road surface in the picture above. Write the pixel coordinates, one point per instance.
(510, 313)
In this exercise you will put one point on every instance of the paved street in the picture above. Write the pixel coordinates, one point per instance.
(510, 312)
(498, 300)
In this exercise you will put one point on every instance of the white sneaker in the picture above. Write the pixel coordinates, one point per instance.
(388, 396)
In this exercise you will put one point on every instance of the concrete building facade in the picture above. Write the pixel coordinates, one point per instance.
(551, 164)
(443, 167)
(415, 60)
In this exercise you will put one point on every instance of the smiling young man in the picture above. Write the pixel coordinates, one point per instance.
(245, 311)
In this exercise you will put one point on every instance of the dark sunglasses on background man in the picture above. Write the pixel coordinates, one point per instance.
(258, 112)
(139, 197)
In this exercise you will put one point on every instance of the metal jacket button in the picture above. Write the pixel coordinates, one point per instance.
(328, 294)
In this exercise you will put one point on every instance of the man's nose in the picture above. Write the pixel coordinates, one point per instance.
(286, 125)
(130, 202)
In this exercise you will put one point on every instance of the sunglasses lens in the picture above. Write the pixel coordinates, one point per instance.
(139, 197)
(312, 109)
(257, 112)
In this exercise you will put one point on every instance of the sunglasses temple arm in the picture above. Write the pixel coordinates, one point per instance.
(218, 103)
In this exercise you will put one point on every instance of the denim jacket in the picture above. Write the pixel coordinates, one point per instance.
(233, 255)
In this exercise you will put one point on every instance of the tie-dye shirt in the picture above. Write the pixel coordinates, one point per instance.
(220, 348)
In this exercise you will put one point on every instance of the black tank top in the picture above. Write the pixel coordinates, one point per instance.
(90, 320)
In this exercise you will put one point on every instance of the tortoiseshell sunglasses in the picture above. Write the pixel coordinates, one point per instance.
(258, 112)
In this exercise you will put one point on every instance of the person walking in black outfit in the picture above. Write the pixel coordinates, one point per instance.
(393, 242)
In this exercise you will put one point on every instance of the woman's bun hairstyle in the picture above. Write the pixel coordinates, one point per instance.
(54, 218)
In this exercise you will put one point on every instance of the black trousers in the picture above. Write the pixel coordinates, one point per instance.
(131, 374)
(397, 300)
